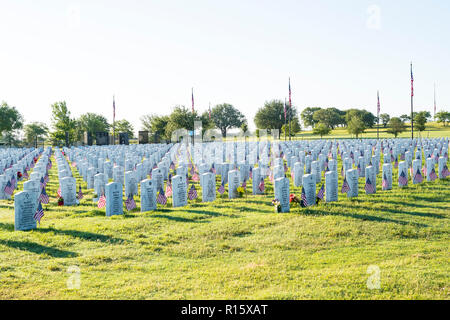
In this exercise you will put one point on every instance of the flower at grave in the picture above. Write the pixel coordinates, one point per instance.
(277, 205)
(294, 199)
(19, 175)
(240, 191)
(60, 201)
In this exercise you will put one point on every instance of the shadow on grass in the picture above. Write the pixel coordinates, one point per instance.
(37, 248)
(84, 235)
(363, 217)
(177, 219)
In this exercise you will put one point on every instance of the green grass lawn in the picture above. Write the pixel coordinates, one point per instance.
(236, 249)
(433, 130)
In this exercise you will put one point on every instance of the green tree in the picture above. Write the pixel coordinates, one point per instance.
(125, 126)
(156, 127)
(384, 117)
(307, 116)
(10, 121)
(365, 116)
(356, 126)
(183, 118)
(420, 119)
(225, 117)
(321, 129)
(405, 118)
(443, 117)
(295, 127)
(396, 126)
(35, 132)
(62, 123)
(271, 115)
(244, 126)
(329, 117)
(93, 122)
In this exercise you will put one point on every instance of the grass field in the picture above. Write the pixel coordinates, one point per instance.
(236, 249)
(433, 130)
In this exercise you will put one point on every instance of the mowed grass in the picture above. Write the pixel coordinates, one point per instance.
(433, 130)
(235, 249)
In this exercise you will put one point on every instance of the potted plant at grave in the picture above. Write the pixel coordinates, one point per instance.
(277, 205)
(19, 176)
(240, 192)
(60, 201)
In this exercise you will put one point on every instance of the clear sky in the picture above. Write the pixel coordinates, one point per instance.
(151, 53)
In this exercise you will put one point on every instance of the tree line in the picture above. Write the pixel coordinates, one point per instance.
(274, 114)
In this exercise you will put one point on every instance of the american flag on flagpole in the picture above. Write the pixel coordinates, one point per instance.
(192, 100)
(290, 100)
(412, 82)
(161, 199)
(39, 213)
(378, 103)
(192, 194)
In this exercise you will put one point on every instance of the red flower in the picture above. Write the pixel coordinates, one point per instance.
(293, 198)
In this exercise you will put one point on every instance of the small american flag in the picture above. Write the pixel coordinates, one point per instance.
(80, 193)
(213, 169)
(59, 191)
(221, 189)
(251, 173)
(39, 213)
(43, 197)
(49, 165)
(13, 182)
(320, 194)
(433, 175)
(9, 188)
(445, 171)
(46, 178)
(402, 179)
(261, 185)
(359, 168)
(384, 183)
(172, 166)
(130, 204)
(195, 177)
(101, 202)
(396, 163)
(192, 194)
(369, 187)
(168, 189)
(345, 186)
(42, 182)
(304, 202)
(244, 184)
(25, 174)
(161, 197)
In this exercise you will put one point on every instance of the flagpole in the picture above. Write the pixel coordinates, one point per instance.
(285, 119)
(114, 120)
(434, 116)
(412, 107)
(290, 108)
(378, 115)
